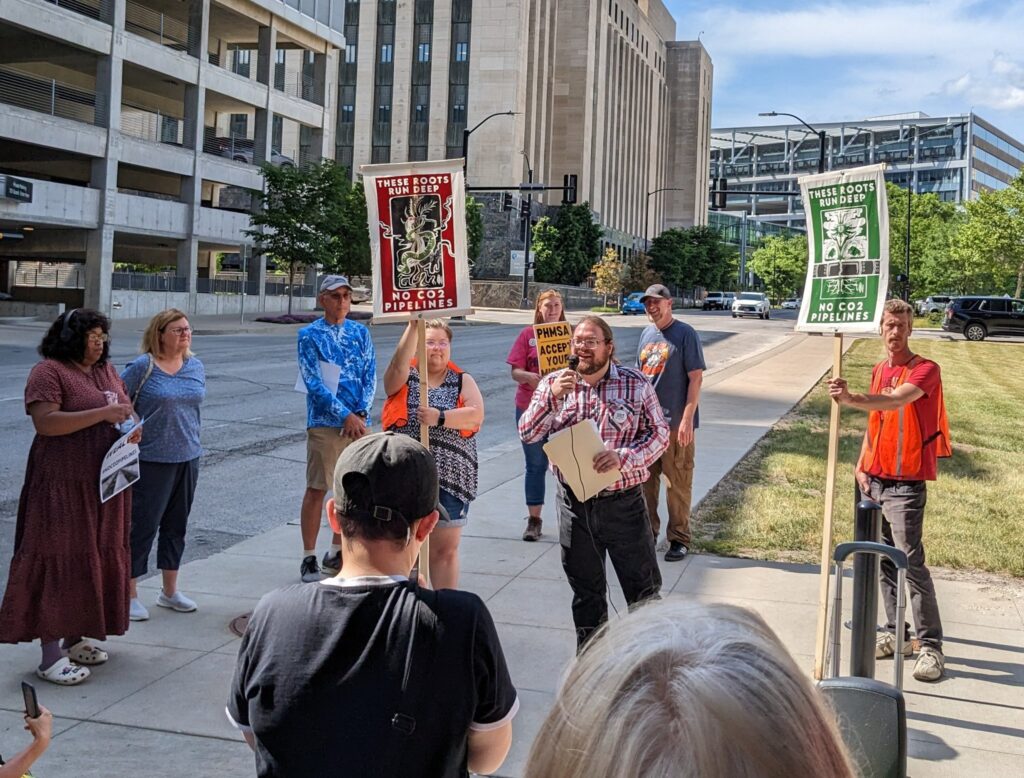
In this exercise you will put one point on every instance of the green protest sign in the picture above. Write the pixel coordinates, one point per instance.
(848, 250)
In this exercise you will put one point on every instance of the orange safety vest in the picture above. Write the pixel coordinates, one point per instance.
(893, 438)
(396, 408)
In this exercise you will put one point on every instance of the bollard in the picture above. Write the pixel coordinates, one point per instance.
(867, 525)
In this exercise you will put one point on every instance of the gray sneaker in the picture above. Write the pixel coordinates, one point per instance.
(885, 646)
(310, 570)
(331, 563)
(930, 664)
(176, 602)
(137, 611)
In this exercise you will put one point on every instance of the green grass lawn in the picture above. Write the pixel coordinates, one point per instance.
(770, 506)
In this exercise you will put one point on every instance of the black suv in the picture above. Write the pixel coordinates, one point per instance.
(979, 317)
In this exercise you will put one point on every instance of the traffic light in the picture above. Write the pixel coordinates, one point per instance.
(720, 195)
(506, 201)
(524, 208)
(568, 189)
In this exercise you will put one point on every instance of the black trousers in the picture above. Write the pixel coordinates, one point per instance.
(615, 525)
(161, 501)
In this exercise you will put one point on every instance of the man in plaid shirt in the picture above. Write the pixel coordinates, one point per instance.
(630, 420)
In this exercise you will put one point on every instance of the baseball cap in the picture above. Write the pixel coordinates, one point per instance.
(656, 290)
(386, 477)
(330, 283)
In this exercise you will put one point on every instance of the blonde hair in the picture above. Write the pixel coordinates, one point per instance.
(155, 328)
(898, 307)
(547, 294)
(685, 689)
(440, 324)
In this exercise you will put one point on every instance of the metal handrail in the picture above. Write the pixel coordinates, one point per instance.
(47, 95)
(156, 126)
(300, 85)
(53, 275)
(165, 30)
(92, 8)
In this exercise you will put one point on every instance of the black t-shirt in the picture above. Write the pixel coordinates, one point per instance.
(320, 673)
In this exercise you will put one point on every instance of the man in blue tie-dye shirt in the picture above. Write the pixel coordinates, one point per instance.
(329, 347)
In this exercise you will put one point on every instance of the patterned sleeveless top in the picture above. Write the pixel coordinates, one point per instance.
(454, 455)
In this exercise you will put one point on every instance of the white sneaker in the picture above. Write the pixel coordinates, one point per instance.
(176, 602)
(137, 611)
(930, 664)
(885, 646)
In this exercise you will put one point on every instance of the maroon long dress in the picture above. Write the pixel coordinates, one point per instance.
(69, 575)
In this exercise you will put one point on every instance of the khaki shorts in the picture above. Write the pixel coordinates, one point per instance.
(323, 447)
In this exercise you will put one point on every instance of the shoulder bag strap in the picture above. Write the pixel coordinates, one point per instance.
(145, 377)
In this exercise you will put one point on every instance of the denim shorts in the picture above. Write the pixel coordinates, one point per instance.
(458, 510)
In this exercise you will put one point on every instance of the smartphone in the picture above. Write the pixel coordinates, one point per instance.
(28, 691)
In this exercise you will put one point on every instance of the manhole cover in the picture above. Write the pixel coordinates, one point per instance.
(239, 623)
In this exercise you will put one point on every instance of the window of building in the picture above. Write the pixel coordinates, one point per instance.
(458, 113)
(384, 113)
(348, 114)
(239, 126)
(350, 53)
(423, 52)
(421, 113)
(277, 132)
(279, 70)
(240, 62)
(386, 52)
(461, 52)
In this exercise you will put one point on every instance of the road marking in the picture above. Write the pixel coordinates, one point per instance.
(254, 418)
(7, 399)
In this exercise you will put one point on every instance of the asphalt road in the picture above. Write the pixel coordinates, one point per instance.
(254, 422)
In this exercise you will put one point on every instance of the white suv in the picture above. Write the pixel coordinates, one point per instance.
(751, 304)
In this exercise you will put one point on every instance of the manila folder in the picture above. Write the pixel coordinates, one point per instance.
(572, 451)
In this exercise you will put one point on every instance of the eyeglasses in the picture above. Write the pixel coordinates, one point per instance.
(588, 342)
(438, 344)
(98, 337)
(179, 331)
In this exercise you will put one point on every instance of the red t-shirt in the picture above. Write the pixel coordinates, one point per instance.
(523, 355)
(927, 377)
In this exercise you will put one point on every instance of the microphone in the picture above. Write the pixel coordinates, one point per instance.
(574, 362)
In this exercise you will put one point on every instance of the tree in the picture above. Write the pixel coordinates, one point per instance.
(547, 265)
(697, 256)
(306, 219)
(933, 226)
(993, 236)
(353, 257)
(637, 273)
(609, 274)
(578, 244)
(781, 263)
(474, 228)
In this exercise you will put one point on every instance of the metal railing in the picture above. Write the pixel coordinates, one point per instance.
(300, 85)
(165, 30)
(280, 287)
(149, 282)
(240, 148)
(52, 275)
(47, 95)
(94, 9)
(155, 126)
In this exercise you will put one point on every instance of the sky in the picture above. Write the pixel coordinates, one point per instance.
(833, 61)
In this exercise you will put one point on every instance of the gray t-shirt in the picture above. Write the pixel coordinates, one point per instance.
(666, 357)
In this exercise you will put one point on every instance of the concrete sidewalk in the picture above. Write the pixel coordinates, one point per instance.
(157, 707)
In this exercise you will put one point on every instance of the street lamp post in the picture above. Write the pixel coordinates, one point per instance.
(647, 205)
(524, 304)
(465, 138)
(822, 135)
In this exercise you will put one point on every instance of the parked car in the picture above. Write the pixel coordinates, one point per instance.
(979, 317)
(791, 304)
(751, 304)
(934, 303)
(632, 304)
(718, 301)
(241, 150)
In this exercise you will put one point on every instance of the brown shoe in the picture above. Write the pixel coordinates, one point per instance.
(532, 531)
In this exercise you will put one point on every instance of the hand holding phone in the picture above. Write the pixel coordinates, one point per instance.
(28, 691)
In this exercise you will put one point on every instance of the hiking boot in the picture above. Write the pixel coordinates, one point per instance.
(930, 664)
(310, 570)
(331, 563)
(676, 551)
(885, 646)
(532, 531)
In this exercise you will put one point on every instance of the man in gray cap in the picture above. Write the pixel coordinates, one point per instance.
(370, 673)
(670, 355)
(339, 368)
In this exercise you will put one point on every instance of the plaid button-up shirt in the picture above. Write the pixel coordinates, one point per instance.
(625, 408)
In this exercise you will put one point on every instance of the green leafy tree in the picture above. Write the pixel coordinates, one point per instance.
(781, 262)
(543, 244)
(993, 237)
(353, 237)
(933, 226)
(697, 256)
(303, 216)
(608, 274)
(578, 244)
(638, 274)
(474, 228)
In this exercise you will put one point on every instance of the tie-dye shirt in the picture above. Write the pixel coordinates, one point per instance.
(349, 346)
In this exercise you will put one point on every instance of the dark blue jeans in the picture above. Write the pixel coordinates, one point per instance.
(536, 468)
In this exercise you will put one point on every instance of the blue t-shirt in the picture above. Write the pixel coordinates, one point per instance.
(172, 435)
(666, 357)
(347, 345)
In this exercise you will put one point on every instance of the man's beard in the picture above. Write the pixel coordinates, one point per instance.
(592, 365)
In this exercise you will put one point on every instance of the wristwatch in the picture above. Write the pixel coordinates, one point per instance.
(440, 418)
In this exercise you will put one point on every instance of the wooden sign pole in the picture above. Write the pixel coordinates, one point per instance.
(821, 636)
(421, 351)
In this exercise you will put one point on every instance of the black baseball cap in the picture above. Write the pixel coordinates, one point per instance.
(656, 290)
(385, 477)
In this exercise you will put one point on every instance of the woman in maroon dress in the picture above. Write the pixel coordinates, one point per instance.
(69, 574)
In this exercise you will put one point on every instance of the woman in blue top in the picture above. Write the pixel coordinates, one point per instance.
(167, 383)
